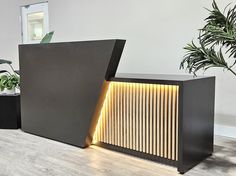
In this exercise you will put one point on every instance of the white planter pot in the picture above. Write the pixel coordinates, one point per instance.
(11, 91)
(1, 92)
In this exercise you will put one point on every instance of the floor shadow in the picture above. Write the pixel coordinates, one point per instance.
(224, 159)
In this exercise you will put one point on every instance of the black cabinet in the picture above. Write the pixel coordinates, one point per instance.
(164, 118)
(10, 111)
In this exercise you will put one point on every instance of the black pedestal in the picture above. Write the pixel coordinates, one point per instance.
(10, 111)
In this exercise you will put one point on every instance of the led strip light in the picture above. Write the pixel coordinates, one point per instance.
(141, 117)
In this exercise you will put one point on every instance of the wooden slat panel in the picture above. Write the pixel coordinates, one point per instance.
(141, 117)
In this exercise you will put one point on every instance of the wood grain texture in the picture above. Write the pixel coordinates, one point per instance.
(23, 154)
(148, 117)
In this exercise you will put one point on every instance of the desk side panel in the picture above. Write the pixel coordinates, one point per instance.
(196, 123)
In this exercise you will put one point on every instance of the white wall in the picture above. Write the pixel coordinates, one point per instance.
(9, 31)
(156, 32)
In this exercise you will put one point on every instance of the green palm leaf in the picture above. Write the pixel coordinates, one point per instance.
(3, 61)
(219, 32)
(47, 38)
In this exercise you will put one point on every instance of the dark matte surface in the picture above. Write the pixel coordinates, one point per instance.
(10, 111)
(138, 154)
(61, 84)
(155, 78)
(196, 122)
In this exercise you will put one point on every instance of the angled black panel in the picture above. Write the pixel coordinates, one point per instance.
(61, 84)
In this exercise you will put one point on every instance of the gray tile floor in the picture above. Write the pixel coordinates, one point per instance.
(22, 154)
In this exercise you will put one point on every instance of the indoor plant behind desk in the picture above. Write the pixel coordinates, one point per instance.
(9, 80)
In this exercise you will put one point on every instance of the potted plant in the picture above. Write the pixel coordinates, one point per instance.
(217, 39)
(10, 83)
(9, 80)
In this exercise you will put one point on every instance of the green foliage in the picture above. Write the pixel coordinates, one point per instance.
(3, 80)
(219, 32)
(12, 82)
(47, 38)
(3, 61)
(9, 81)
(202, 58)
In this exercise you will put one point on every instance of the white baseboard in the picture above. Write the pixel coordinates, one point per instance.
(223, 130)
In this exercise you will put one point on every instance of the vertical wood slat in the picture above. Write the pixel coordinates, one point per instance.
(158, 120)
(173, 123)
(144, 119)
(165, 120)
(118, 95)
(109, 125)
(151, 119)
(147, 143)
(176, 128)
(127, 115)
(141, 117)
(169, 121)
(161, 121)
(131, 124)
(154, 120)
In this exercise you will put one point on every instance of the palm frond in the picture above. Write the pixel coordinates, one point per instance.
(4, 61)
(202, 58)
(219, 32)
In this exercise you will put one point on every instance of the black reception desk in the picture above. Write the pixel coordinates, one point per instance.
(165, 118)
(70, 93)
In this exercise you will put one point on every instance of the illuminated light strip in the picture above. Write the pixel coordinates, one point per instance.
(141, 117)
(99, 134)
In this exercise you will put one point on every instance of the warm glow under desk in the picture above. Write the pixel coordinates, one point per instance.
(146, 115)
(71, 113)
